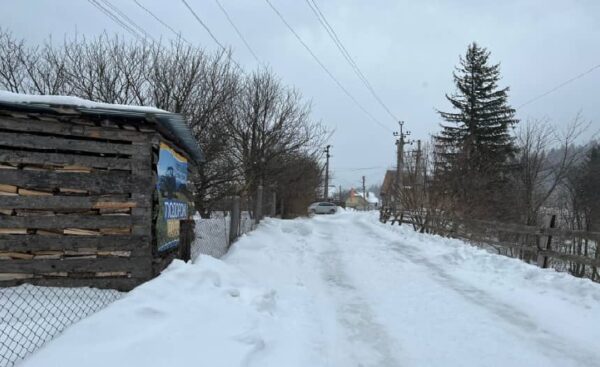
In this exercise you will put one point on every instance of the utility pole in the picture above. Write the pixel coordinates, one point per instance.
(364, 192)
(327, 156)
(418, 164)
(401, 135)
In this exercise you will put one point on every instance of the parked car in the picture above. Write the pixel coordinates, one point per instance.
(322, 208)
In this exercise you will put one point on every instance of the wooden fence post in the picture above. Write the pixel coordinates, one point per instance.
(259, 204)
(545, 242)
(234, 225)
(273, 203)
(186, 237)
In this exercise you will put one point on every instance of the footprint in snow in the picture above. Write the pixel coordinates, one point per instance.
(266, 302)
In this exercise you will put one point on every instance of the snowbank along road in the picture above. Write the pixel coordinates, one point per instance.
(342, 290)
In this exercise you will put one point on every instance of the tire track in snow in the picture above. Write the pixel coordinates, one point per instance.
(368, 342)
(517, 319)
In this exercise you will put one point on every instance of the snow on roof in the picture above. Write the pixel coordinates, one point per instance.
(9, 97)
(371, 197)
(173, 123)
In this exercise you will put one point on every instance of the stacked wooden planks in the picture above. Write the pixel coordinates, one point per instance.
(75, 201)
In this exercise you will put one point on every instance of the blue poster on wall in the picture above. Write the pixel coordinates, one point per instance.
(173, 196)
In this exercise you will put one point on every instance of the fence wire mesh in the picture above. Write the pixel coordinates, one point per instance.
(247, 223)
(213, 234)
(31, 315)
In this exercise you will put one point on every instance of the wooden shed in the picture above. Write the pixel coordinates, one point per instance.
(91, 194)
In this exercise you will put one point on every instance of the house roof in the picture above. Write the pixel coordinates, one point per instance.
(171, 124)
(371, 197)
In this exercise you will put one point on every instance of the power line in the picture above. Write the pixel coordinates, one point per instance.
(212, 35)
(559, 86)
(115, 19)
(324, 67)
(340, 46)
(237, 30)
(203, 25)
(128, 20)
(178, 34)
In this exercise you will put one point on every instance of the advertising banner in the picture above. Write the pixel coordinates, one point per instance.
(173, 196)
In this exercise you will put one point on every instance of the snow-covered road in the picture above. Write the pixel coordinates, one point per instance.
(343, 290)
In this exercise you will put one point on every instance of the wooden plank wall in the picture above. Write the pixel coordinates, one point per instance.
(75, 201)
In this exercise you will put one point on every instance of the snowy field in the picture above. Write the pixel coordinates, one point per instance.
(342, 290)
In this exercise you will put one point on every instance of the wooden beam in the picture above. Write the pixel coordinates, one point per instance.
(69, 129)
(71, 202)
(109, 182)
(22, 243)
(70, 221)
(38, 142)
(137, 266)
(578, 259)
(66, 159)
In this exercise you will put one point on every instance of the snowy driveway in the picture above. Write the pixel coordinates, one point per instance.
(343, 290)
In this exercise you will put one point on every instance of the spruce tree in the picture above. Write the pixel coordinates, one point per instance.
(587, 192)
(475, 147)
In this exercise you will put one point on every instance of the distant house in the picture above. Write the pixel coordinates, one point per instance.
(357, 201)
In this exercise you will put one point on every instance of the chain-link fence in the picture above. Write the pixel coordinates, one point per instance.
(31, 315)
(247, 223)
(213, 235)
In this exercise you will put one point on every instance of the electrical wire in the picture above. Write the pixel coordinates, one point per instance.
(128, 20)
(115, 19)
(559, 86)
(211, 34)
(178, 34)
(340, 46)
(237, 31)
(203, 24)
(314, 56)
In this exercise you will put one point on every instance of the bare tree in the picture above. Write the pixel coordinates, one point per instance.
(248, 126)
(539, 176)
(271, 121)
(13, 73)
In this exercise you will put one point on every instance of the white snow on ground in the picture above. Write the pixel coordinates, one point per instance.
(342, 290)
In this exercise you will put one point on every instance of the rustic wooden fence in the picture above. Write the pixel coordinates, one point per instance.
(574, 251)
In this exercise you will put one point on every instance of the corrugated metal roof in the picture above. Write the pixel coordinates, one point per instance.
(174, 124)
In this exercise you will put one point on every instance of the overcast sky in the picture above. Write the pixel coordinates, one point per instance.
(407, 50)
